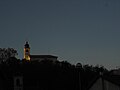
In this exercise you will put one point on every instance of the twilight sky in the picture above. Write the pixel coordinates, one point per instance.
(85, 31)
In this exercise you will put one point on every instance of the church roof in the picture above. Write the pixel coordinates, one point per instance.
(43, 56)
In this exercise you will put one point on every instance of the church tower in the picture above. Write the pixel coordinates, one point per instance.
(26, 51)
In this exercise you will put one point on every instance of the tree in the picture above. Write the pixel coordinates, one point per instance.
(6, 53)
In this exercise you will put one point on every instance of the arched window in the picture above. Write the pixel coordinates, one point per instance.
(17, 82)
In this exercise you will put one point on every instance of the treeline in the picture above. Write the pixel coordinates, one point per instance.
(48, 75)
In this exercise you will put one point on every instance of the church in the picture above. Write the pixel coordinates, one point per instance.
(29, 57)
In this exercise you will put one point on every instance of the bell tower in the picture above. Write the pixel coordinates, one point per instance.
(27, 51)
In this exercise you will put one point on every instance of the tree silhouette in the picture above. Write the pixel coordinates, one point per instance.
(6, 53)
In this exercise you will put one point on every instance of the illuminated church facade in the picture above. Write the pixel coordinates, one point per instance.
(29, 57)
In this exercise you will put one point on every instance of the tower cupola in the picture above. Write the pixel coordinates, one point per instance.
(26, 45)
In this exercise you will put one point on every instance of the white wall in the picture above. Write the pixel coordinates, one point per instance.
(97, 85)
(107, 85)
(111, 86)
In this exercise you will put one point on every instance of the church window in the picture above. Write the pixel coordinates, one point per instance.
(17, 82)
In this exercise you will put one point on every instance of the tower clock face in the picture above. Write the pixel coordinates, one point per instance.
(27, 50)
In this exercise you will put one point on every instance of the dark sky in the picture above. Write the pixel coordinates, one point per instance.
(86, 31)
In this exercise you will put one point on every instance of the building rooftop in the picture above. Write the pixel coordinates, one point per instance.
(43, 56)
